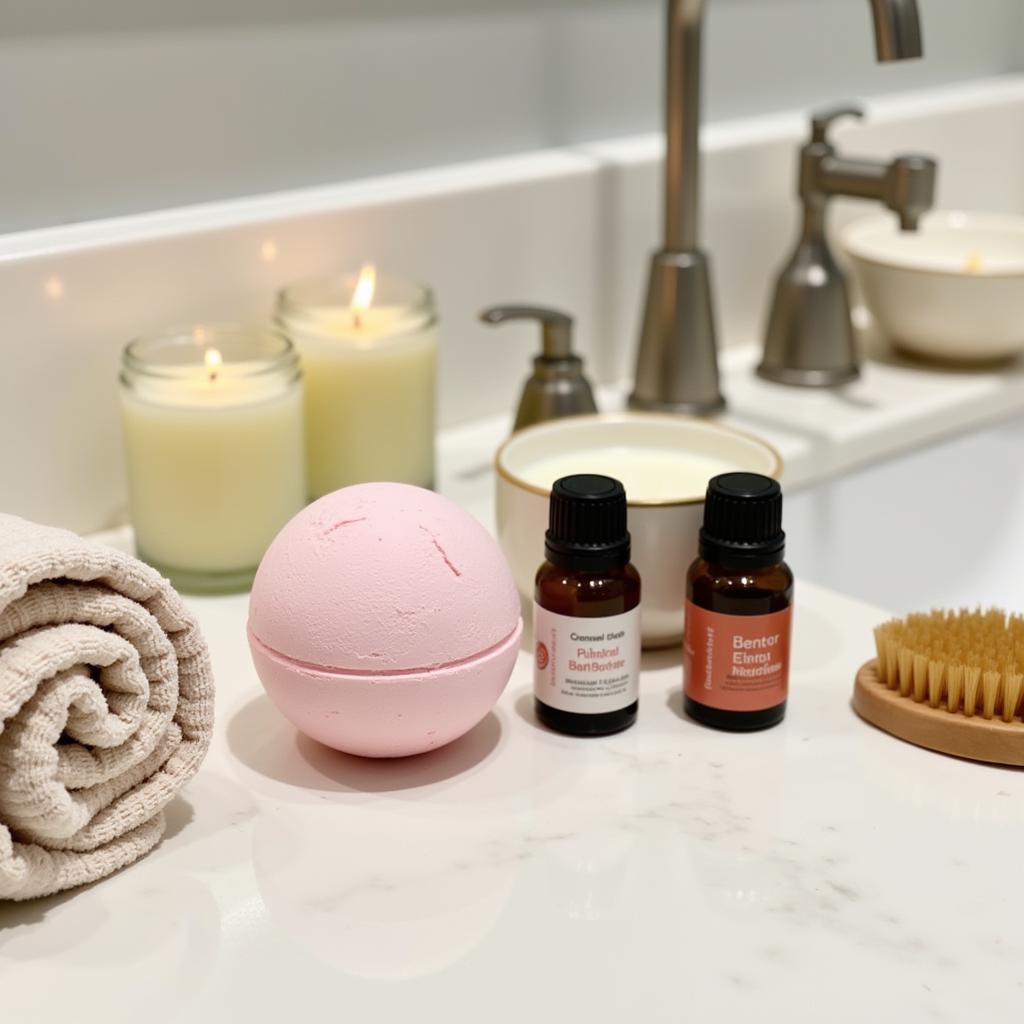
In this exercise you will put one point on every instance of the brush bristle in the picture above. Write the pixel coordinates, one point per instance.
(968, 662)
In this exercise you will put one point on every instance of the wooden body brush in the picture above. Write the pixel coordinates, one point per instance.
(949, 681)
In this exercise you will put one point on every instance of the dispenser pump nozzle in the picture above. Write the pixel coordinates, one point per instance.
(556, 327)
(557, 386)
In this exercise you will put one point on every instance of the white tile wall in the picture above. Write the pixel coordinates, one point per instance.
(570, 227)
(118, 106)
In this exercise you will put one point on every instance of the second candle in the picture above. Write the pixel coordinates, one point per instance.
(368, 345)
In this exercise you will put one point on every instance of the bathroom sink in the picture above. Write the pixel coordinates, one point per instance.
(940, 526)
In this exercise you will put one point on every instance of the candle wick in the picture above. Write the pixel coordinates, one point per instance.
(357, 320)
(213, 359)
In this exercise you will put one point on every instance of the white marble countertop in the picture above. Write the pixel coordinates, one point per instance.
(817, 871)
(666, 873)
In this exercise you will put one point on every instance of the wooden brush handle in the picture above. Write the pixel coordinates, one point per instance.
(976, 738)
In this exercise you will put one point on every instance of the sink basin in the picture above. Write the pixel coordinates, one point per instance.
(942, 526)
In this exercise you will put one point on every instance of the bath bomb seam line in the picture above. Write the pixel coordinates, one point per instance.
(363, 673)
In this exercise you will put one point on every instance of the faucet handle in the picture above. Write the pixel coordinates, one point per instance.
(821, 120)
(556, 326)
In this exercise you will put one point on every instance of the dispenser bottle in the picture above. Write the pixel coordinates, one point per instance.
(557, 387)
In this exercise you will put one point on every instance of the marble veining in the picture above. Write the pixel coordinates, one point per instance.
(820, 870)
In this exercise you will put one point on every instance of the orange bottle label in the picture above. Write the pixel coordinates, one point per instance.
(736, 662)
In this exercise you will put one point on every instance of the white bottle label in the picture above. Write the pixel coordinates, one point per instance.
(587, 666)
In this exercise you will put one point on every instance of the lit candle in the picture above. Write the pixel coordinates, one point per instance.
(213, 439)
(368, 345)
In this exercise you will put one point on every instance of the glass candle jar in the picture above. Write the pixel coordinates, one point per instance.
(213, 435)
(368, 346)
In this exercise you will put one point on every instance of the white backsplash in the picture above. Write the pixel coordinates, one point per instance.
(571, 228)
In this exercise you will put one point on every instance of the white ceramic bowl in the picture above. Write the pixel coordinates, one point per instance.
(954, 289)
(665, 509)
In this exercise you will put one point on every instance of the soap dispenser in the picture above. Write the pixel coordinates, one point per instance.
(557, 386)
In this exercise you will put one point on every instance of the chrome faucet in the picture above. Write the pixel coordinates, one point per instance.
(809, 339)
(677, 364)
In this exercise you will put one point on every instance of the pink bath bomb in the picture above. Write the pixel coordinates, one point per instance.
(384, 620)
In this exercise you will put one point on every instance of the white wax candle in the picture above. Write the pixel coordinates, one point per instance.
(215, 464)
(370, 375)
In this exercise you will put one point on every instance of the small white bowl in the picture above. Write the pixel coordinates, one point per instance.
(666, 504)
(953, 289)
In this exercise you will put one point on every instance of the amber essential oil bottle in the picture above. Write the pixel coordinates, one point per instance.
(586, 612)
(738, 610)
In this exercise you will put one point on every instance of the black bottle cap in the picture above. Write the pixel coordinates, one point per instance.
(743, 521)
(587, 523)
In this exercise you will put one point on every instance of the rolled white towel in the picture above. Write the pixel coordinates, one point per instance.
(106, 707)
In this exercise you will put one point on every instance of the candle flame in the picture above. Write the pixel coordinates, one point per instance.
(362, 297)
(214, 361)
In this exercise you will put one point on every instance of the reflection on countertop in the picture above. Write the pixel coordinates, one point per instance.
(521, 873)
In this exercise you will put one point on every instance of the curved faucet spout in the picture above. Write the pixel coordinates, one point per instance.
(677, 368)
(897, 37)
(897, 29)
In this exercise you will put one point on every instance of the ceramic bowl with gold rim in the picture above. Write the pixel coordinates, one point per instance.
(663, 461)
